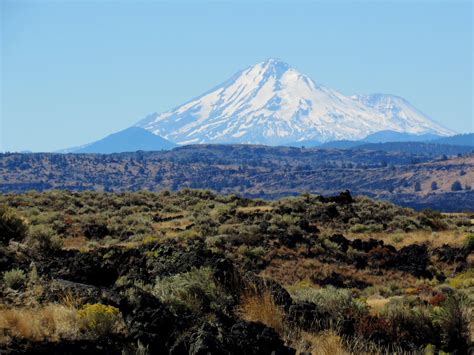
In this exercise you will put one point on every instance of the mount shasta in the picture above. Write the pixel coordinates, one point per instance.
(272, 103)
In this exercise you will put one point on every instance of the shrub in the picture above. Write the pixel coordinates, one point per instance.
(456, 186)
(95, 228)
(99, 318)
(410, 324)
(404, 223)
(453, 320)
(469, 242)
(15, 278)
(12, 226)
(43, 239)
(358, 228)
(196, 290)
(366, 228)
(251, 252)
(338, 304)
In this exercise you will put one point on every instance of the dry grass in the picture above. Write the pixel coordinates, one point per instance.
(262, 308)
(291, 272)
(377, 304)
(52, 321)
(254, 209)
(323, 343)
(436, 239)
(174, 224)
(75, 243)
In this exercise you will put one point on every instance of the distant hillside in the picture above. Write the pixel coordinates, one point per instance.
(343, 144)
(253, 171)
(392, 136)
(129, 140)
(428, 144)
(377, 137)
(460, 139)
(417, 148)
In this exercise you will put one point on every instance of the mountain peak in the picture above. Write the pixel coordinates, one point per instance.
(272, 103)
(271, 67)
(274, 63)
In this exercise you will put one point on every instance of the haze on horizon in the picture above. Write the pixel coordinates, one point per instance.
(74, 72)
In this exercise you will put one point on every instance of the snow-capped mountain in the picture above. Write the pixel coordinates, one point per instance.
(272, 103)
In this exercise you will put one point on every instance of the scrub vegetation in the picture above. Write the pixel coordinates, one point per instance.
(197, 272)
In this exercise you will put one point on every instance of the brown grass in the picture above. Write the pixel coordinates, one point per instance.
(52, 321)
(262, 308)
(75, 243)
(436, 239)
(290, 272)
(254, 209)
(377, 304)
(323, 343)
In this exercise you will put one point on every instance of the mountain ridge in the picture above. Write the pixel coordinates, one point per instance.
(128, 140)
(272, 103)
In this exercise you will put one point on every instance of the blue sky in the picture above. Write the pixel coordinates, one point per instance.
(75, 71)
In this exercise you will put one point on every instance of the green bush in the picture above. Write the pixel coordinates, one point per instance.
(95, 227)
(338, 304)
(469, 242)
(43, 239)
(195, 290)
(453, 321)
(366, 228)
(15, 278)
(410, 323)
(12, 226)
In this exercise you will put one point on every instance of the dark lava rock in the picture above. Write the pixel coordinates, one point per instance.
(110, 345)
(340, 240)
(414, 259)
(337, 280)
(256, 338)
(85, 268)
(306, 315)
(226, 275)
(381, 257)
(59, 288)
(148, 321)
(208, 339)
(449, 254)
(279, 294)
(7, 260)
(344, 198)
(240, 337)
(366, 246)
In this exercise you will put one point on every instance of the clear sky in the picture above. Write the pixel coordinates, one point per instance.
(75, 71)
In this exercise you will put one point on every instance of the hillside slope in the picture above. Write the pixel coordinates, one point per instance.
(256, 171)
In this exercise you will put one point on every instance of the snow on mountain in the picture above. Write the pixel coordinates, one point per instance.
(404, 114)
(272, 103)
